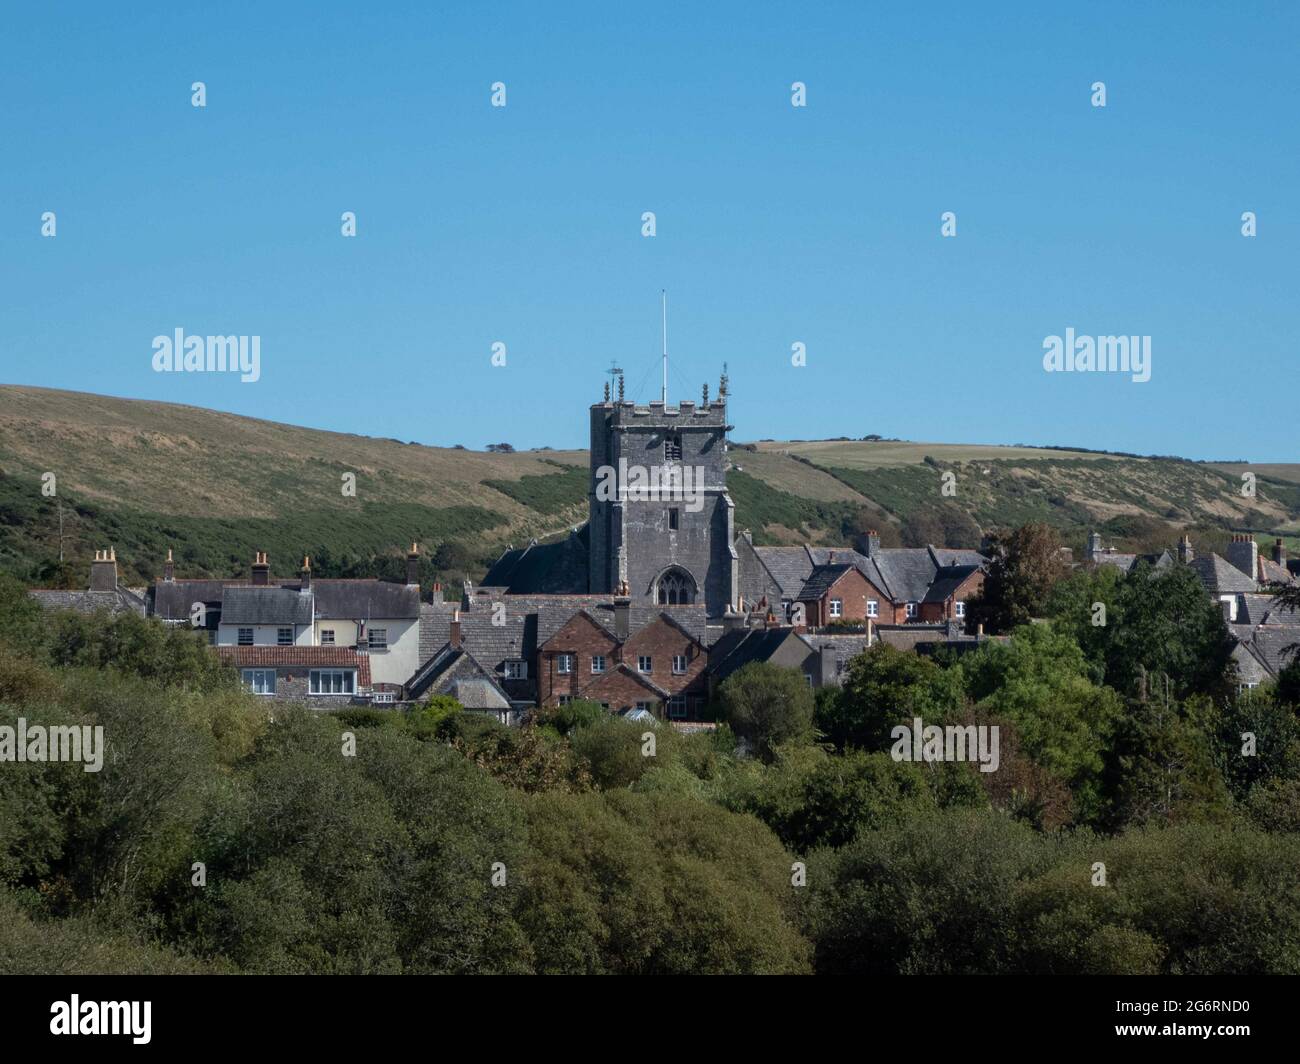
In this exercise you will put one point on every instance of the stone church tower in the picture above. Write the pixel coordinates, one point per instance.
(668, 546)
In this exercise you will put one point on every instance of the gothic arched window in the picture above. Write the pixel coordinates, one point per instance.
(673, 447)
(675, 587)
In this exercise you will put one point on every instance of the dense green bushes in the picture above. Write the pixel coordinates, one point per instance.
(229, 834)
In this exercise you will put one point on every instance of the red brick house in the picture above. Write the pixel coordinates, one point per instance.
(657, 664)
(840, 592)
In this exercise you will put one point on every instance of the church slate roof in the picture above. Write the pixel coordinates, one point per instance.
(543, 568)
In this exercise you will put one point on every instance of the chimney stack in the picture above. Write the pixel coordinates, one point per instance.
(413, 566)
(305, 588)
(1243, 553)
(1279, 552)
(622, 614)
(732, 620)
(454, 637)
(1094, 546)
(169, 568)
(1185, 553)
(261, 569)
(873, 543)
(103, 570)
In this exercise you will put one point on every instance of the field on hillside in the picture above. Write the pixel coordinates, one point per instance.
(215, 487)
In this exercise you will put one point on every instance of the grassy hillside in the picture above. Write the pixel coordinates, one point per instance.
(214, 487)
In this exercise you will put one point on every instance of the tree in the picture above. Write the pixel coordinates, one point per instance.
(767, 705)
(884, 687)
(1167, 625)
(1026, 565)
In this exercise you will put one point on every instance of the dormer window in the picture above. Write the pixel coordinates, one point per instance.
(673, 447)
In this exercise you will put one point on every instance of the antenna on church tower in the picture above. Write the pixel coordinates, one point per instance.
(664, 293)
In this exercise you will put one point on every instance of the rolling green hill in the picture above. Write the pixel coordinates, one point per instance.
(214, 487)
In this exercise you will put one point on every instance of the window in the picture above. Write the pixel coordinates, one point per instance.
(564, 663)
(911, 609)
(516, 670)
(673, 447)
(327, 637)
(873, 608)
(675, 588)
(379, 639)
(284, 637)
(674, 519)
(565, 699)
(598, 663)
(679, 664)
(841, 666)
(643, 705)
(837, 607)
(246, 637)
(807, 677)
(332, 681)
(677, 707)
(383, 698)
(260, 681)
(644, 664)
(959, 609)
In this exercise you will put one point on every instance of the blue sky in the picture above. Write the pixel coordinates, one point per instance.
(776, 224)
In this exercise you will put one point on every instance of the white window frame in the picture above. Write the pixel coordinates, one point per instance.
(564, 664)
(959, 609)
(346, 681)
(327, 637)
(284, 636)
(377, 639)
(837, 608)
(256, 681)
(516, 670)
(873, 607)
(597, 664)
(680, 664)
(910, 609)
(645, 663)
(240, 640)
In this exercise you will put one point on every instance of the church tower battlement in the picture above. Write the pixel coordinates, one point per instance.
(661, 521)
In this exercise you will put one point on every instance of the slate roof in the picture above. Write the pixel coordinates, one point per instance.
(845, 647)
(903, 573)
(1271, 646)
(821, 580)
(947, 580)
(265, 605)
(289, 657)
(115, 603)
(907, 572)
(1219, 576)
(171, 600)
(365, 599)
(1263, 609)
(738, 648)
(543, 568)
(790, 567)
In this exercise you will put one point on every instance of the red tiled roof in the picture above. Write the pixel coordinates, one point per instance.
(313, 657)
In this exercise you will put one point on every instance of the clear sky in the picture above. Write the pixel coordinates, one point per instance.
(775, 224)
